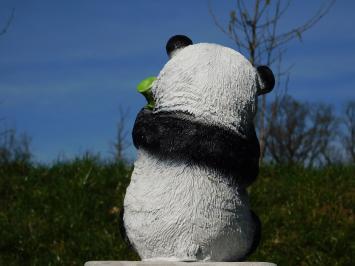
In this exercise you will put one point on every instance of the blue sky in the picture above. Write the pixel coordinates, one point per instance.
(67, 66)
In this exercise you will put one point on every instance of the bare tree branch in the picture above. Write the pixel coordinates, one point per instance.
(121, 143)
(348, 137)
(299, 133)
(255, 32)
(14, 148)
(8, 22)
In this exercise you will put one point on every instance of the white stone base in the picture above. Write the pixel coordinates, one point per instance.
(169, 263)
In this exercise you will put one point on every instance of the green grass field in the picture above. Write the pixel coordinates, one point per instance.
(67, 213)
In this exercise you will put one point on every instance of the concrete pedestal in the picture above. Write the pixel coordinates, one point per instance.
(169, 263)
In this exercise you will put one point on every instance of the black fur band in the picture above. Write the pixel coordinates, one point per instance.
(173, 136)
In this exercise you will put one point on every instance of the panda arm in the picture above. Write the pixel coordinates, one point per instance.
(176, 137)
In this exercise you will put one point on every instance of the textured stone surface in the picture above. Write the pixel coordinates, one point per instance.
(161, 263)
(215, 83)
(187, 206)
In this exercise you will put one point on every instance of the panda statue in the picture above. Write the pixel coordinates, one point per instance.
(197, 154)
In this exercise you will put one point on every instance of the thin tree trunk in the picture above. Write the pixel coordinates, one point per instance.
(262, 133)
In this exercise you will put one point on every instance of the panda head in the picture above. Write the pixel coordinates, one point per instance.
(213, 83)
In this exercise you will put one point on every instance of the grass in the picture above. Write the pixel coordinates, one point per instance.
(307, 215)
(67, 213)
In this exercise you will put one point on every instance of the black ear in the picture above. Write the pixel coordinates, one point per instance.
(177, 42)
(267, 79)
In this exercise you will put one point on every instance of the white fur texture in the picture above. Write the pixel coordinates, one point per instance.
(174, 212)
(215, 83)
(185, 212)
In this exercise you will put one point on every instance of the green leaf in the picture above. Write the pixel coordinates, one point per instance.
(144, 87)
(146, 84)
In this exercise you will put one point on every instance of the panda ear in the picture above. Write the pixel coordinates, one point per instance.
(267, 79)
(177, 42)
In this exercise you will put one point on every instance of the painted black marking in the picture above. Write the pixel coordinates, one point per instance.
(176, 137)
(176, 42)
(267, 77)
